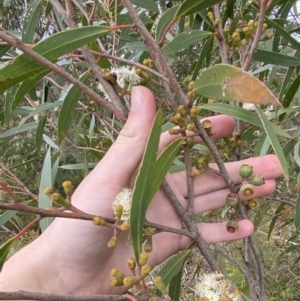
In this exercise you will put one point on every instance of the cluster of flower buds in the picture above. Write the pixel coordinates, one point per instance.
(230, 144)
(58, 198)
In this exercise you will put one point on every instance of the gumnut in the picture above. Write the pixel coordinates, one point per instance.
(58, 199)
(253, 203)
(246, 171)
(48, 191)
(149, 231)
(232, 199)
(232, 226)
(247, 189)
(257, 180)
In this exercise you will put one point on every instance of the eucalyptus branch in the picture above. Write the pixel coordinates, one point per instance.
(190, 181)
(191, 226)
(252, 46)
(68, 17)
(24, 295)
(65, 75)
(220, 35)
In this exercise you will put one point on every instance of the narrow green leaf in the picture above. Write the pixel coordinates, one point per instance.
(173, 266)
(277, 59)
(30, 21)
(274, 142)
(207, 48)
(289, 96)
(142, 186)
(164, 21)
(25, 87)
(175, 286)
(4, 49)
(242, 114)
(17, 130)
(274, 219)
(126, 19)
(24, 67)
(77, 166)
(45, 181)
(4, 250)
(297, 208)
(137, 45)
(192, 6)
(163, 164)
(68, 108)
(8, 100)
(149, 5)
(282, 32)
(184, 40)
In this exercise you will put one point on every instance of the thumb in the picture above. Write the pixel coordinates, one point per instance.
(125, 154)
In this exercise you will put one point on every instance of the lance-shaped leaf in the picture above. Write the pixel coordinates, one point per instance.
(242, 114)
(143, 185)
(45, 181)
(297, 208)
(226, 82)
(189, 7)
(25, 87)
(184, 40)
(275, 58)
(68, 108)
(24, 67)
(175, 286)
(17, 130)
(173, 266)
(163, 164)
(164, 21)
(4, 250)
(30, 21)
(274, 142)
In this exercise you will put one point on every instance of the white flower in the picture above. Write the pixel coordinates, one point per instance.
(212, 286)
(249, 106)
(126, 75)
(124, 198)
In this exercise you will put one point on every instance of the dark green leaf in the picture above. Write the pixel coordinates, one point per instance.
(138, 45)
(8, 100)
(173, 266)
(277, 59)
(184, 40)
(175, 286)
(297, 211)
(163, 164)
(4, 49)
(39, 133)
(274, 142)
(24, 88)
(126, 19)
(242, 114)
(206, 49)
(68, 108)
(30, 21)
(142, 186)
(149, 5)
(164, 21)
(289, 96)
(24, 67)
(192, 6)
(274, 219)
(4, 250)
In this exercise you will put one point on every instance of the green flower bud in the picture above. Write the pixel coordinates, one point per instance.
(128, 281)
(98, 221)
(68, 187)
(159, 283)
(232, 199)
(246, 171)
(145, 270)
(232, 226)
(247, 189)
(143, 258)
(257, 180)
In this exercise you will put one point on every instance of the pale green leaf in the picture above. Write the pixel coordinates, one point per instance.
(17, 130)
(4, 250)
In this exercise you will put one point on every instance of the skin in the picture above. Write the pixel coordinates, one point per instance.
(72, 256)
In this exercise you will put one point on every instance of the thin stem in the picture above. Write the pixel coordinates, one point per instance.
(65, 75)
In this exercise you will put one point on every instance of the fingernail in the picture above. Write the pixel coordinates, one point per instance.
(137, 98)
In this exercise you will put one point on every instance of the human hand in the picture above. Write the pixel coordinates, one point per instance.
(72, 256)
